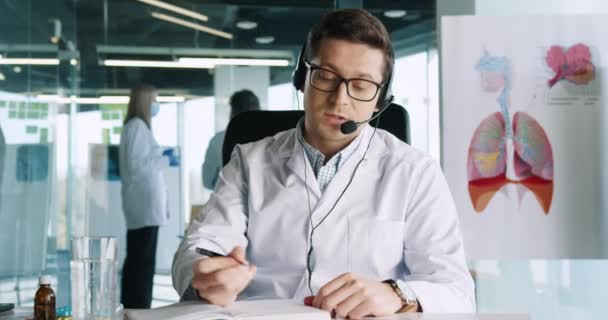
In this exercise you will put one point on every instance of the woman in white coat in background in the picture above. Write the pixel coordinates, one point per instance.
(144, 195)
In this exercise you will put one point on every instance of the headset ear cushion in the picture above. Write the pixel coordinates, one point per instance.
(386, 96)
(299, 74)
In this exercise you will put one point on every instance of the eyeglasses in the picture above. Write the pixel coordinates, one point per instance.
(328, 81)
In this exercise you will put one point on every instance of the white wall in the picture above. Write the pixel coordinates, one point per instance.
(415, 88)
(539, 7)
(283, 97)
(198, 131)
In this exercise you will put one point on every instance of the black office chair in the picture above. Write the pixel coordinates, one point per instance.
(252, 126)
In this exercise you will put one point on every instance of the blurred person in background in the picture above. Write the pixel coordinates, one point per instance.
(144, 195)
(240, 101)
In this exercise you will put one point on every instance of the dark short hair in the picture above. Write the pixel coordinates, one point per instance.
(355, 25)
(244, 100)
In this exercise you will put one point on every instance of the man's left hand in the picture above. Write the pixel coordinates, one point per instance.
(354, 297)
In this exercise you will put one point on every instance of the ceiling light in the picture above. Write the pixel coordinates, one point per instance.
(395, 13)
(246, 24)
(30, 61)
(412, 16)
(156, 64)
(17, 69)
(2, 77)
(176, 9)
(73, 62)
(48, 97)
(125, 99)
(192, 25)
(106, 100)
(264, 39)
(103, 99)
(238, 61)
(84, 100)
(171, 99)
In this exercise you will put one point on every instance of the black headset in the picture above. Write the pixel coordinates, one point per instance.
(298, 79)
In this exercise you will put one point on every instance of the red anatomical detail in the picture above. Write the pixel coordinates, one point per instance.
(573, 64)
(532, 160)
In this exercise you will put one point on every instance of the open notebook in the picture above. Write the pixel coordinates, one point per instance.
(249, 310)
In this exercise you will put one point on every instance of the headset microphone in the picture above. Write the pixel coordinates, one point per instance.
(350, 126)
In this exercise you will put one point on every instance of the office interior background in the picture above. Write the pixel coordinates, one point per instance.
(66, 67)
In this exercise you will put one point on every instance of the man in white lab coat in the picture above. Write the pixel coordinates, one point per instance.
(350, 216)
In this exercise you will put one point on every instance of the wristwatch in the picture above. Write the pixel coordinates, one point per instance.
(405, 293)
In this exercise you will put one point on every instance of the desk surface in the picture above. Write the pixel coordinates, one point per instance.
(19, 314)
(26, 314)
(438, 316)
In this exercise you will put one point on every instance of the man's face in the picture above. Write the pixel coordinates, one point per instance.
(326, 111)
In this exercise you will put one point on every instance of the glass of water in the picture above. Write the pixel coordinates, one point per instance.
(94, 268)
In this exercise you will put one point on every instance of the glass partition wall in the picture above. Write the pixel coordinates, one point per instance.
(66, 69)
(38, 59)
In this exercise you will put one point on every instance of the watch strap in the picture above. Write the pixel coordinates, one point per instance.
(408, 304)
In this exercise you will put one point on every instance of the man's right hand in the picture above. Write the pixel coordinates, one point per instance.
(219, 280)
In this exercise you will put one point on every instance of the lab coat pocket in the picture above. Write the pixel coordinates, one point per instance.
(375, 247)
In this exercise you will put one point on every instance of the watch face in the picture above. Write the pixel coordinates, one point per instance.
(408, 294)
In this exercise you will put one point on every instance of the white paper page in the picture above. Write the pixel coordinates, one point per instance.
(191, 310)
(275, 309)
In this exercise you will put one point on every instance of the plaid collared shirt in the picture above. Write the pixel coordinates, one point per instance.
(324, 173)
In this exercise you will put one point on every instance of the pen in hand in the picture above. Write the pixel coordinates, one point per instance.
(211, 254)
(220, 278)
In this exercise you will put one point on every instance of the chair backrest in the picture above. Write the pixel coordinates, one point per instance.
(252, 126)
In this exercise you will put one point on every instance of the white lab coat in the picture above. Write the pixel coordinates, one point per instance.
(397, 220)
(144, 190)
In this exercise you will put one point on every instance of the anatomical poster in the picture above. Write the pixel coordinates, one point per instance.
(522, 99)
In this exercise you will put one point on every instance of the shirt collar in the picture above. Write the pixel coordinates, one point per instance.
(317, 158)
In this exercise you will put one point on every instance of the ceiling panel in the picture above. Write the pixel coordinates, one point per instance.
(89, 23)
